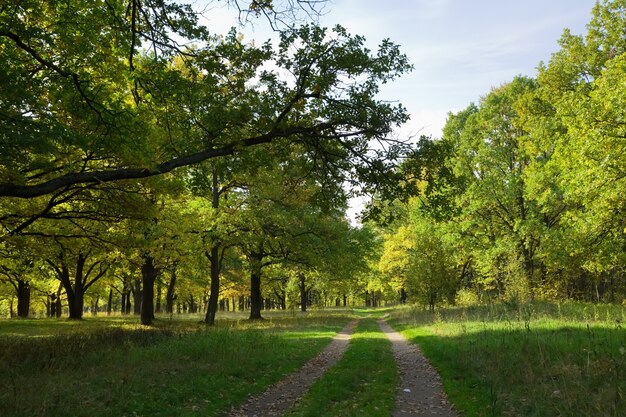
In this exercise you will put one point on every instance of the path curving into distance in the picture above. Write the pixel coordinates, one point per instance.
(280, 397)
(420, 392)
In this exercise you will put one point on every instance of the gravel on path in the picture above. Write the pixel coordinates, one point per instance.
(420, 392)
(280, 397)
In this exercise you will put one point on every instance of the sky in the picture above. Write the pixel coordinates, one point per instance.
(460, 49)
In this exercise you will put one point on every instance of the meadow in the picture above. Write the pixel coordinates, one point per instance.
(535, 359)
(114, 367)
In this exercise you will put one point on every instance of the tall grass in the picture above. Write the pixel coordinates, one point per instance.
(526, 360)
(178, 369)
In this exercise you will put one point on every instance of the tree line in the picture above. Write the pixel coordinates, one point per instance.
(143, 153)
(211, 173)
(523, 196)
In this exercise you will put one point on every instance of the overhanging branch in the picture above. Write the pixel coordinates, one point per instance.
(36, 190)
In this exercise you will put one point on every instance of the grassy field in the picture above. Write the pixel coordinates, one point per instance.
(113, 367)
(362, 383)
(528, 360)
(501, 360)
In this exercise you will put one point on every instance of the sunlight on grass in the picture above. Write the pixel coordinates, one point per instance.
(177, 368)
(529, 360)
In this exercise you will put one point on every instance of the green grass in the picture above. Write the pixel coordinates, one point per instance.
(362, 383)
(115, 368)
(528, 360)
(373, 312)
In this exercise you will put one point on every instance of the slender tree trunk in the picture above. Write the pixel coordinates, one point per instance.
(23, 298)
(148, 277)
(214, 258)
(256, 301)
(137, 296)
(49, 303)
(125, 296)
(170, 295)
(303, 292)
(53, 305)
(95, 306)
(192, 304)
(215, 285)
(110, 302)
(59, 306)
(345, 300)
(159, 292)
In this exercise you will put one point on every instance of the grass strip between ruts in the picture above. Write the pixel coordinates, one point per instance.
(363, 383)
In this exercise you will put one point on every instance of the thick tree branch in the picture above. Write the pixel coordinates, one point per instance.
(36, 190)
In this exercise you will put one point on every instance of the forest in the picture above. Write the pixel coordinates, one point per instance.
(175, 237)
(140, 173)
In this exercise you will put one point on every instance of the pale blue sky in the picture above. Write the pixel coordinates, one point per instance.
(460, 48)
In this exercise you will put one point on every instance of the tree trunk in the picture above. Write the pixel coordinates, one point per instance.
(303, 292)
(192, 305)
(49, 301)
(256, 301)
(110, 302)
(123, 302)
(159, 292)
(125, 297)
(214, 258)
(170, 295)
(137, 296)
(215, 285)
(59, 306)
(345, 300)
(23, 298)
(78, 307)
(75, 293)
(53, 305)
(148, 277)
(94, 306)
